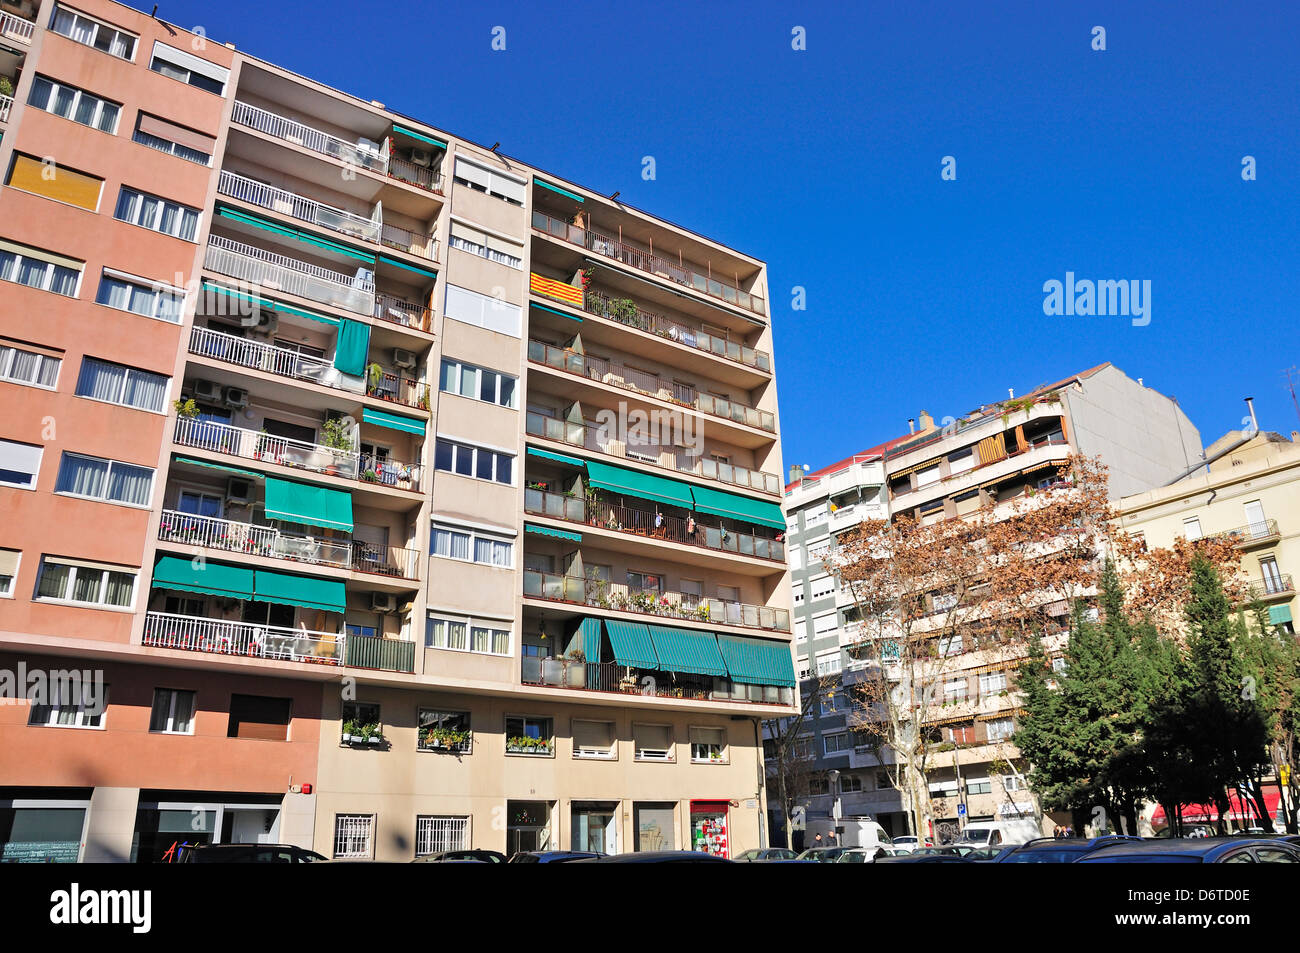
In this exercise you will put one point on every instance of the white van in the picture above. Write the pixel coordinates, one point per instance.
(856, 832)
(998, 833)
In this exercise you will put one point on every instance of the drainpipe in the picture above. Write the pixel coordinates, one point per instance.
(758, 797)
(1206, 461)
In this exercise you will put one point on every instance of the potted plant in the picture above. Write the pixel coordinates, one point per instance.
(349, 729)
(6, 86)
(185, 407)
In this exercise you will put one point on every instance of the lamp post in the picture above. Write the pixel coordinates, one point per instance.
(834, 776)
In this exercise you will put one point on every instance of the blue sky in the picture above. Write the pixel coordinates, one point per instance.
(921, 293)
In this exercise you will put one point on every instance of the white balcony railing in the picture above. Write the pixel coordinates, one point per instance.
(6, 103)
(267, 448)
(291, 131)
(230, 536)
(276, 272)
(16, 28)
(299, 206)
(260, 356)
(215, 636)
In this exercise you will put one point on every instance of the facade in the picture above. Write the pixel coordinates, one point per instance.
(406, 497)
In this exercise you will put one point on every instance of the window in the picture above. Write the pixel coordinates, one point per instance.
(818, 785)
(19, 464)
(824, 624)
(593, 739)
(173, 712)
(822, 587)
(708, 744)
(652, 742)
(1000, 729)
(435, 834)
(828, 663)
(119, 384)
(960, 461)
(883, 781)
(141, 296)
(830, 704)
(483, 311)
(21, 366)
(794, 556)
(259, 717)
(992, 682)
(189, 68)
(645, 582)
(476, 462)
(837, 742)
(962, 734)
(107, 480)
(9, 559)
(1011, 782)
(71, 707)
(478, 383)
(57, 182)
(75, 104)
(814, 515)
(89, 584)
(949, 645)
(157, 214)
(927, 476)
(93, 33)
(528, 735)
(439, 730)
(801, 749)
(41, 270)
(352, 834)
(801, 628)
(979, 786)
(174, 139)
(850, 783)
(1192, 528)
(478, 242)
(482, 179)
(487, 549)
(954, 690)
(486, 638)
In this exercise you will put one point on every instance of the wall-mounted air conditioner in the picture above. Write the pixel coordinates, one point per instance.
(207, 391)
(239, 491)
(404, 358)
(383, 602)
(236, 397)
(422, 157)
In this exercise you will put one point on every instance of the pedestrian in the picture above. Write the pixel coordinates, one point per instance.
(1069, 830)
(1056, 832)
(817, 841)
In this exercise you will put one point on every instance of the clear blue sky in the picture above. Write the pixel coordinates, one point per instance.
(921, 293)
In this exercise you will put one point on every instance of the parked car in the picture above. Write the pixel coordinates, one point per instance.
(248, 854)
(914, 858)
(463, 856)
(860, 855)
(999, 833)
(952, 850)
(990, 855)
(1198, 850)
(1057, 850)
(908, 843)
(823, 855)
(552, 856)
(659, 857)
(765, 854)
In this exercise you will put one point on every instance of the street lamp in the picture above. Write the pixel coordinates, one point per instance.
(834, 776)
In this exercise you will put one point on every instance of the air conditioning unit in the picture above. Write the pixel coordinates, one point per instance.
(404, 358)
(422, 157)
(209, 391)
(383, 602)
(268, 322)
(236, 397)
(239, 491)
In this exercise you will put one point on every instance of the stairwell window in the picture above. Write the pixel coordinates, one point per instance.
(21, 366)
(93, 33)
(188, 68)
(157, 214)
(141, 296)
(119, 384)
(69, 102)
(108, 481)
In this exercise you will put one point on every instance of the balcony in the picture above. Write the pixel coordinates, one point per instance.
(1270, 588)
(388, 655)
(413, 243)
(282, 451)
(417, 175)
(397, 311)
(275, 272)
(217, 637)
(675, 271)
(622, 679)
(851, 514)
(16, 28)
(618, 374)
(1044, 451)
(299, 134)
(1254, 534)
(298, 206)
(638, 522)
(6, 104)
(590, 436)
(674, 605)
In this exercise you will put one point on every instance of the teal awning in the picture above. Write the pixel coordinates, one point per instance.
(268, 303)
(589, 630)
(220, 466)
(214, 579)
(547, 531)
(632, 644)
(757, 661)
(557, 457)
(682, 650)
(635, 483)
(267, 225)
(733, 506)
(328, 595)
(555, 188)
(1277, 615)
(381, 418)
(305, 503)
(403, 131)
(352, 347)
(563, 314)
(431, 275)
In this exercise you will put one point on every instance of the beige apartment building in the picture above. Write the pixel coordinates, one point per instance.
(403, 497)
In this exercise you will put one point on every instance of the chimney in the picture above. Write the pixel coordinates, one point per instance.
(796, 473)
(1254, 423)
(911, 425)
(927, 422)
(1011, 393)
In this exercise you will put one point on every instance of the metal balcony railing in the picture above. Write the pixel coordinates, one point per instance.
(260, 356)
(1270, 587)
(298, 206)
(16, 28)
(385, 560)
(614, 677)
(413, 243)
(297, 133)
(416, 175)
(679, 272)
(6, 103)
(408, 315)
(218, 637)
(397, 389)
(673, 605)
(1250, 534)
(275, 272)
(230, 536)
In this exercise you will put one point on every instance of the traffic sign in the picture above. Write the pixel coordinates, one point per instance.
(961, 810)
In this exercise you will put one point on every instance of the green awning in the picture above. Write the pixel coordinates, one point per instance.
(732, 506)
(682, 650)
(402, 130)
(382, 418)
(555, 188)
(557, 457)
(563, 314)
(220, 466)
(1277, 615)
(268, 304)
(590, 632)
(267, 225)
(214, 579)
(305, 503)
(634, 483)
(431, 275)
(632, 644)
(757, 661)
(352, 347)
(547, 531)
(328, 595)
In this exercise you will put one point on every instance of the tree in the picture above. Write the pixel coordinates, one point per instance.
(793, 766)
(1157, 581)
(1272, 659)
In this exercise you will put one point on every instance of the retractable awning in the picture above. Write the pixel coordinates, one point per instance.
(555, 533)
(213, 579)
(382, 418)
(632, 644)
(266, 224)
(757, 661)
(268, 304)
(220, 466)
(557, 457)
(634, 483)
(304, 503)
(743, 508)
(402, 130)
(683, 650)
(589, 631)
(328, 595)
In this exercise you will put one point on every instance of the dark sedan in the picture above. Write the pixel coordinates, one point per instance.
(463, 856)
(659, 857)
(1199, 850)
(1052, 850)
(553, 856)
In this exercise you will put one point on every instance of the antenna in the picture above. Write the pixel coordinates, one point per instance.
(1290, 383)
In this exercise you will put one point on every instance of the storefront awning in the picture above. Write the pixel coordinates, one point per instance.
(213, 579)
(557, 457)
(555, 533)
(757, 661)
(733, 506)
(382, 418)
(683, 650)
(643, 485)
(304, 503)
(328, 595)
(632, 644)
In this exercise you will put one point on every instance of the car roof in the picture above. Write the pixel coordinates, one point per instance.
(1203, 847)
(660, 856)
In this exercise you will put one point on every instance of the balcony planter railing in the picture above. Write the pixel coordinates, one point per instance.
(297, 133)
(979, 468)
(639, 522)
(6, 103)
(618, 678)
(16, 28)
(1251, 533)
(679, 272)
(397, 311)
(399, 390)
(385, 471)
(217, 637)
(389, 655)
(625, 311)
(210, 532)
(385, 560)
(413, 243)
(416, 175)
(675, 605)
(298, 206)
(276, 272)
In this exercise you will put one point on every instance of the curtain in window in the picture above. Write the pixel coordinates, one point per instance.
(54, 581)
(435, 634)
(143, 300)
(170, 306)
(31, 272)
(500, 641)
(128, 206)
(170, 212)
(456, 635)
(8, 261)
(128, 484)
(114, 293)
(449, 376)
(85, 587)
(24, 366)
(82, 476)
(107, 118)
(100, 381)
(479, 642)
(146, 390)
(63, 98)
(40, 94)
(65, 281)
(85, 113)
(120, 585)
(189, 225)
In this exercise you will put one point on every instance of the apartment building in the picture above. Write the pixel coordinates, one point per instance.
(406, 497)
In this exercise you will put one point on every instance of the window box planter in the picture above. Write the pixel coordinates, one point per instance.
(523, 745)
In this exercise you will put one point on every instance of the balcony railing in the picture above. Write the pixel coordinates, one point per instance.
(615, 677)
(956, 482)
(625, 311)
(591, 436)
(676, 271)
(1251, 534)
(416, 175)
(6, 103)
(217, 637)
(397, 311)
(298, 206)
(389, 655)
(1270, 587)
(275, 272)
(260, 356)
(399, 390)
(639, 522)
(16, 28)
(673, 605)
(618, 374)
(413, 243)
(297, 133)
(385, 560)
(229, 536)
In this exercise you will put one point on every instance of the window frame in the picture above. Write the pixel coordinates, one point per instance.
(8, 591)
(524, 720)
(472, 537)
(159, 289)
(191, 73)
(53, 710)
(461, 367)
(162, 204)
(126, 379)
(724, 756)
(458, 447)
(466, 825)
(368, 824)
(16, 350)
(74, 571)
(464, 748)
(47, 284)
(98, 25)
(36, 474)
(494, 628)
(108, 477)
(173, 694)
(670, 753)
(78, 94)
(610, 753)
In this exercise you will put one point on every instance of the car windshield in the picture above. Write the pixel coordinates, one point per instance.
(1049, 856)
(970, 836)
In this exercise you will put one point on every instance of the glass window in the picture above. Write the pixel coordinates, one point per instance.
(159, 215)
(477, 383)
(107, 480)
(117, 384)
(82, 29)
(149, 301)
(173, 712)
(708, 744)
(86, 584)
(72, 706)
(481, 637)
(31, 269)
(440, 730)
(528, 735)
(75, 104)
(27, 367)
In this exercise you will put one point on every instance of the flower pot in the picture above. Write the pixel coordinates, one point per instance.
(376, 740)
(347, 739)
